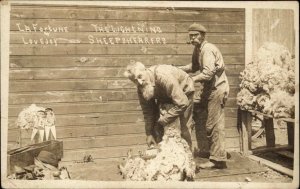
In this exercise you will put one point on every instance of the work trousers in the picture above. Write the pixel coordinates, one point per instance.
(209, 113)
(186, 124)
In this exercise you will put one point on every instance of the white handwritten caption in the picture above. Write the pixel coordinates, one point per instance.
(138, 28)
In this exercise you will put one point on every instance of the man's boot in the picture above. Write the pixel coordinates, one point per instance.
(213, 164)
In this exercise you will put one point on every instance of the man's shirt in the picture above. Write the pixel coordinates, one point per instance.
(171, 85)
(208, 64)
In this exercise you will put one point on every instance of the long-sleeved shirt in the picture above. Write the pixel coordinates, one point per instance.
(171, 85)
(208, 61)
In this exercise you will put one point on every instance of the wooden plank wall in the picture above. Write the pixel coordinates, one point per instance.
(277, 26)
(96, 107)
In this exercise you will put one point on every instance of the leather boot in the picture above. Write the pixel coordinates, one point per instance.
(213, 164)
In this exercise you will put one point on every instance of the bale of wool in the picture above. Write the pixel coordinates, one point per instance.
(263, 103)
(249, 78)
(269, 81)
(283, 104)
(274, 54)
(246, 99)
(173, 160)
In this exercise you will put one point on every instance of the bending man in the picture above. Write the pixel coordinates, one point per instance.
(158, 85)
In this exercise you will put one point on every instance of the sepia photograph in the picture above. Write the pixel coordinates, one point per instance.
(149, 94)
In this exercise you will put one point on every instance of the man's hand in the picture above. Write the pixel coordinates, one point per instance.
(161, 121)
(186, 68)
(181, 67)
(194, 79)
(224, 100)
(150, 140)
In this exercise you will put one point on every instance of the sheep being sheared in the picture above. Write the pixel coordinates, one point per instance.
(171, 160)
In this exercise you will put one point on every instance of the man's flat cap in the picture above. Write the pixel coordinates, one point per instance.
(197, 27)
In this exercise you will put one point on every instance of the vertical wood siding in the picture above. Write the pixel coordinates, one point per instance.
(277, 26)
(96, 107)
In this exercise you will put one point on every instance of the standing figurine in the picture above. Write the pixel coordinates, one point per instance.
(50, 123)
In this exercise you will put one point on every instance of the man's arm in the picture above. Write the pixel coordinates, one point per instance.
(148, 108)
(209, 68)
(187, 68)
(178, 97)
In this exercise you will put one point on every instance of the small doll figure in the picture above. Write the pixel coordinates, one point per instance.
(50, 123)
(39, 125)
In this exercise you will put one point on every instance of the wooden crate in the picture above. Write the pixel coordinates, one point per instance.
(245, 118)
(24, 156)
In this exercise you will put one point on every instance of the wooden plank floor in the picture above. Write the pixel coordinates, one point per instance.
(236, 165)
(107, 170)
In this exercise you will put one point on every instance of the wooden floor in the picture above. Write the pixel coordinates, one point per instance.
(107, 170)
(236, 165)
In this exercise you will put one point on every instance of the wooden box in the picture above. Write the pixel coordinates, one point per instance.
(24, 156)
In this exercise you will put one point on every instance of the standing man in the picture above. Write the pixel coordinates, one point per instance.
(158, 85)
(208, 66)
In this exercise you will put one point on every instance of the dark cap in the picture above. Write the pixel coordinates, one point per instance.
(197, 28)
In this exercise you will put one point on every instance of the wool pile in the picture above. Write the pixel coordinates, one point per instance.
(268, 83)
(172, 160)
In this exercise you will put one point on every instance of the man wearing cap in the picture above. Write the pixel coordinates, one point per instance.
(159, 85)
(209, 70)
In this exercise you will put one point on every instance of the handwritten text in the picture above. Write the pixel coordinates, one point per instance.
(123, 40)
